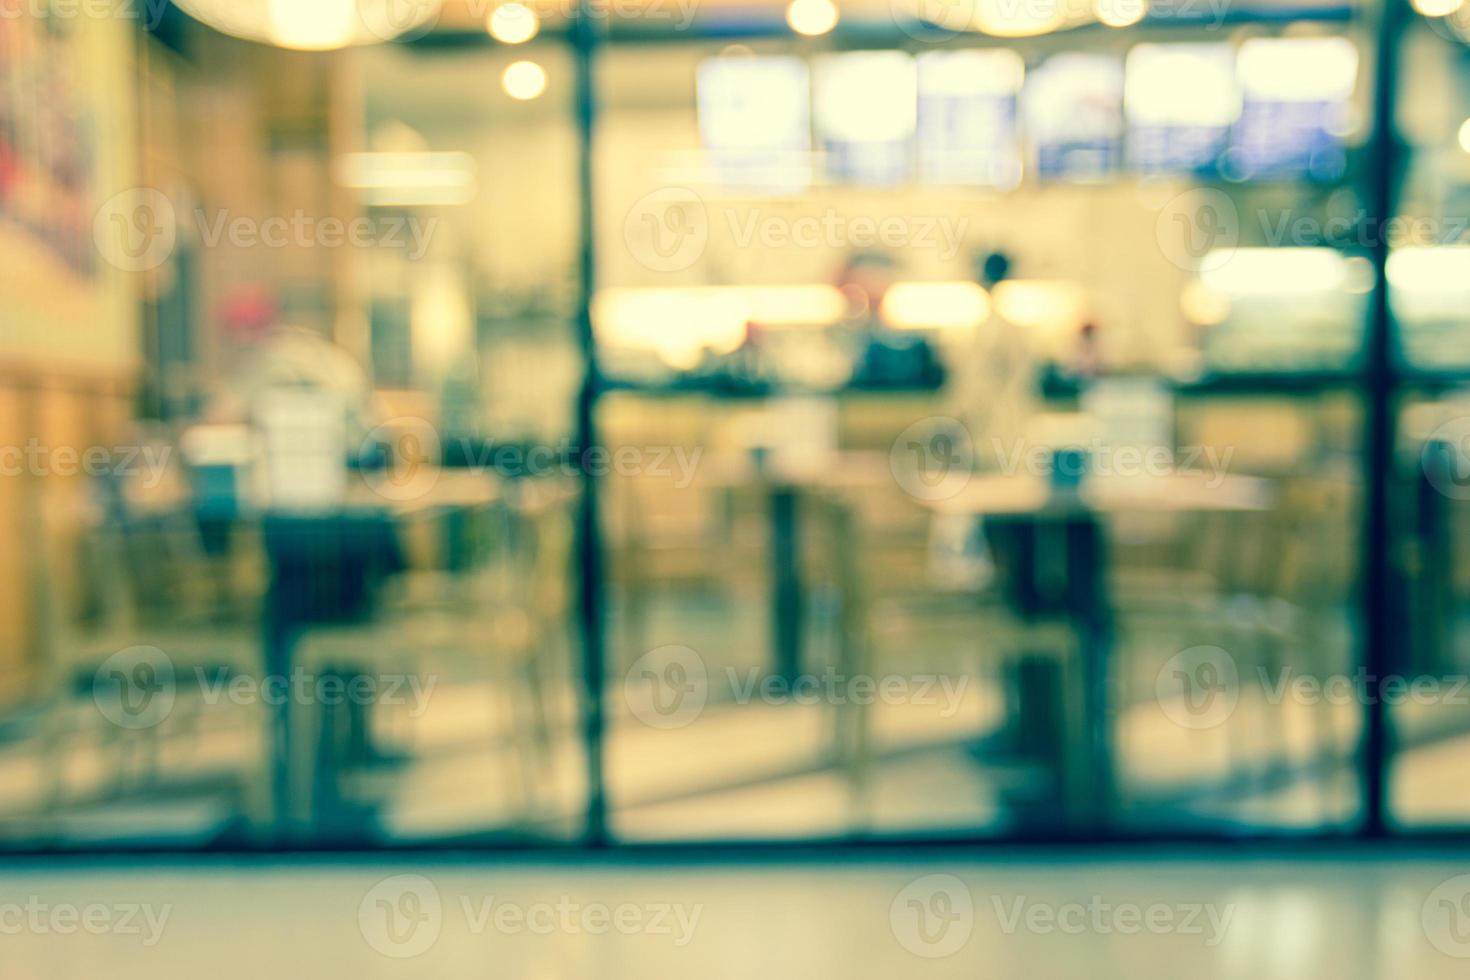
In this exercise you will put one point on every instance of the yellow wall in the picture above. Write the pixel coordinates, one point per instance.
(55, 318)
(69, 343)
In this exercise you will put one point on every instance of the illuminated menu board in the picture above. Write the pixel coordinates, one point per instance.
(865, 114)
(1180, 101)
(1073, 105)
(967, 117)
(1296, 107)
(754, 121)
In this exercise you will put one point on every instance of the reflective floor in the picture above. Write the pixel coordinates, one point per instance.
(1186, 915)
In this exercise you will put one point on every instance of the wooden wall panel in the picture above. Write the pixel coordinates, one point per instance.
(40, 508)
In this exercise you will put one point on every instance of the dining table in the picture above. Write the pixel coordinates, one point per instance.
(327, 566)
(1053, 539)
(785, 483)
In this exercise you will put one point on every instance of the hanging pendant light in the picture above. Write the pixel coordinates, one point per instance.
(314, 25)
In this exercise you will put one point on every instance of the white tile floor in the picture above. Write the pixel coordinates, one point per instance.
(1204, 916)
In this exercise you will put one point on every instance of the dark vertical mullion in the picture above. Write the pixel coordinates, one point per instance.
(591, 595)
(1376, 582)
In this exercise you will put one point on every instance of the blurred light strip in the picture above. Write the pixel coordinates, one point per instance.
(409, 178)
(1430, 269)
(313, 25)
(1274, 271)
(794, 306)
(1298, 69)
(1009, 18)
(1042, 305)
(957, 305)
(680, 322)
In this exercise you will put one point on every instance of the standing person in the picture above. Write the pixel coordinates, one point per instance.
(993, 397)
(307, 400)
(995, 384)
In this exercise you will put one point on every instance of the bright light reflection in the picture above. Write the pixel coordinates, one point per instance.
(679, 324)
(523, 80)
(812, 17)
(1120, 13)
(1298, 69)
(1437, 8)
(316, 26)
(935, 306)
(1007, 18)
(513, 23)
(1260, 271)
(1430, 269)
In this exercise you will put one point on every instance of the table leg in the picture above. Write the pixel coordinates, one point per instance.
(279, 648)
(787, 595)
(1434, 594)
(1091, 613)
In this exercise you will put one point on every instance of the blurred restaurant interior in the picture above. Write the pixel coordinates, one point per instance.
(669, 421)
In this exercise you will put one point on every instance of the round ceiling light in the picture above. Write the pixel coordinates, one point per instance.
(314, 25)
